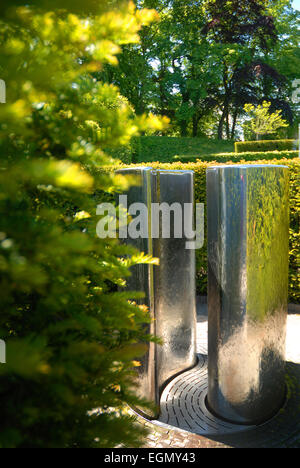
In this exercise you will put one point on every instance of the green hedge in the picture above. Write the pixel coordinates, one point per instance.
(265, 145)
(234, 157)
(123, 153)
(199, 169)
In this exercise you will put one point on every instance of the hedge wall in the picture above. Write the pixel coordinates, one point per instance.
(162, 149)
(237, 157)
(123, 153)
(199, 169)
(265, 145)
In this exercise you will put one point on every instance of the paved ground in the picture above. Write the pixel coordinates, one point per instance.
(284, 432)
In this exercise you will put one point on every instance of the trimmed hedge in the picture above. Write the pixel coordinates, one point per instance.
(199, 169)
(123, 153)
(235, 158)
(171, 149)
(265, 145)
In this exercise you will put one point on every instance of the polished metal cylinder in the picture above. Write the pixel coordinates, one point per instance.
(170, 286)
(248, 232)
(174, 278)
(142, 276)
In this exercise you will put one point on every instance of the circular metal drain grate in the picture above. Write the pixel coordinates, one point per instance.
(183, 408)
(183, 404)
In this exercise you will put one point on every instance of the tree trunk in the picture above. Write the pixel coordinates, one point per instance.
(227, 125)
(184, 128)
(195, 126)
(234, 124)
(221, 123)
(225, 113)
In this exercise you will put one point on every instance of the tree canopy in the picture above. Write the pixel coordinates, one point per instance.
(205, 59)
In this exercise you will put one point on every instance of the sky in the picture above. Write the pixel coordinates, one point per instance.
(296, 4)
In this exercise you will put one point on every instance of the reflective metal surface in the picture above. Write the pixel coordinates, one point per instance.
(169, 287)
(248, 230)
(141, 278)
(174, 282)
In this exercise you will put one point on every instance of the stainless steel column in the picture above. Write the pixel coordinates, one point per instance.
(174, 279)
(141, 279)
(248, 227)
(170, 287)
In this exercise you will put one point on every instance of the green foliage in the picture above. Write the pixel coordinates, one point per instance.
(71, 337)
(199, 169)
(175, 149)
(265, 145)
(123, 154)
(280, 134)
(236, 157)
(263, 121)
(205, 59)
(136, 149)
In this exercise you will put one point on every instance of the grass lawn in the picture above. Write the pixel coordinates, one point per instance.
(171, 149)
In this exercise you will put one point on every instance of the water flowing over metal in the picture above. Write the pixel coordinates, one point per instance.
(242, 383)
(170, 286)
(248, 228)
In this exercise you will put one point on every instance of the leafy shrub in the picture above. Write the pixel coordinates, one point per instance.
(71, 337)
(265, 145)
